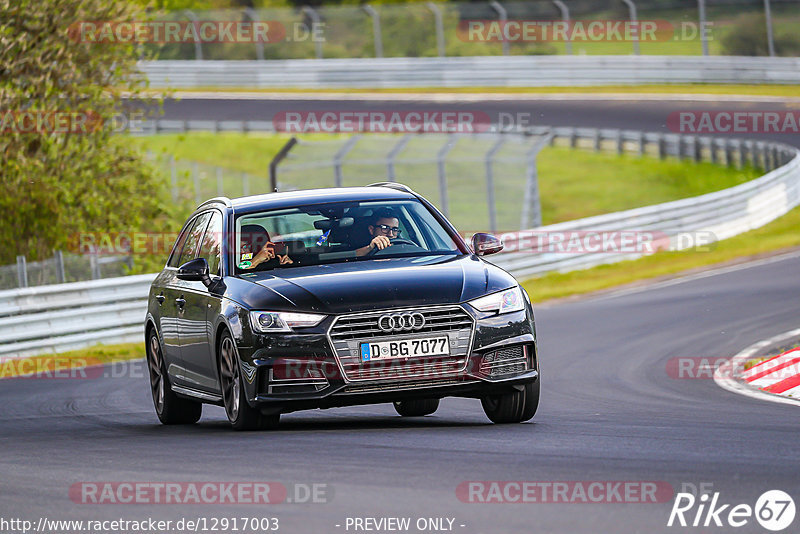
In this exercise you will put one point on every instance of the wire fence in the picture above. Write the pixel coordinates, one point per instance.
(427, 29)
(62, 268)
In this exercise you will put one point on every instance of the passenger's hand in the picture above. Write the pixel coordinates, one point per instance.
(285, 259)
(380, 242)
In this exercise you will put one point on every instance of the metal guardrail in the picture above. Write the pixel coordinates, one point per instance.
(62, 317)
(486, 71)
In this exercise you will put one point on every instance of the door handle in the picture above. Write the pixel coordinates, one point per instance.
(180, 301)
(160, 299)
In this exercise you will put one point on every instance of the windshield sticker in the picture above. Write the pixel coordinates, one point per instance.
(247, 256)
(323, 238)
(245, 264)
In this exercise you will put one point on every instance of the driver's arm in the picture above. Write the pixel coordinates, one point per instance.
(380, 242)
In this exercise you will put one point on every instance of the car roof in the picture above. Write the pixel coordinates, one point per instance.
(290, 199)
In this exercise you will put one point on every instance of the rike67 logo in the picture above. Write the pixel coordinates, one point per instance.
(774, 510)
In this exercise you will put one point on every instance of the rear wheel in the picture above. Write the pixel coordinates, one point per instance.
(241, 415)
(416, 407)
(170, 409)
(513, 407)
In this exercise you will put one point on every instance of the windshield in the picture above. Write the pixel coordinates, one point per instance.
(337, 232)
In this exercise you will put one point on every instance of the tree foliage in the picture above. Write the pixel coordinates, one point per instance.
(57, 184)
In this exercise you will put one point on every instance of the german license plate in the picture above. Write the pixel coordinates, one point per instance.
(405, 348)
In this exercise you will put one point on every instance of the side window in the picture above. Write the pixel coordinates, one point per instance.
(176, 250)
(193, 241)
(211, 247)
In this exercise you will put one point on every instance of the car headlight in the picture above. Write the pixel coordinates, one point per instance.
(506, 301)
(266, 321)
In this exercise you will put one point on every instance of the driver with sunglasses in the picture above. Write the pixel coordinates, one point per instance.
(386, 226)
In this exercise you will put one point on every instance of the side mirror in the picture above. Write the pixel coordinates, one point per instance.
(195, 270)
(485, 244)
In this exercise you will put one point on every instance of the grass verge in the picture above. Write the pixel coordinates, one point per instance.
(66, 364)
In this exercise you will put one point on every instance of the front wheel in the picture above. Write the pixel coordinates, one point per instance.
(416, 407)
(515, 407)
(241, 415)
(170, 409)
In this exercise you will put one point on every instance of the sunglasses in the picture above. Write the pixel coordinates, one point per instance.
(386, 228)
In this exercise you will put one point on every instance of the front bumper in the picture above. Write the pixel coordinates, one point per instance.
(290, 372)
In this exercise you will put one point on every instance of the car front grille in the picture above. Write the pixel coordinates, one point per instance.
(349, 331)
(505, 361)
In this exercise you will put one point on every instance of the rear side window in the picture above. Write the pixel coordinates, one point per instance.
(211, 247)
(192, 243)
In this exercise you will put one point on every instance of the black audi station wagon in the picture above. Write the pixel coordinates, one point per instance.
(335, 297)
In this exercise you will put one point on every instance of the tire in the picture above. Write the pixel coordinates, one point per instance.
(515, 407)
(241, 415)
(170, 409)
(416, 407)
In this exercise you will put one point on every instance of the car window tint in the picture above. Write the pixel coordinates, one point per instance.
(211, 247)
(178, 247)
(190, 248)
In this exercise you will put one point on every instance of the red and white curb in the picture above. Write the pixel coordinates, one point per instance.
(776, 379)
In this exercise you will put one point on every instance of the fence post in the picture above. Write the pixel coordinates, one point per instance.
(742, 154)
(245, 184)
(196, 182)
(502, 16)
(642, 144)
(770, 37)
(273, 165)
(437, 18)
(728, 153)
(490, 183)
(532, 205)
(701, 9)
(173, 175)
(634, 25)
(314, 16)
(662, 147)
(597, 140)
(396, 149)
(198, 47)
(697, 153)
(219, 182)
(376, 29)
(95, 266)
(339, 156)
(565, 17)
(442, 171)
(61, 275)
(22, 271)
(573, 138)
(251, 14)
(620, 143)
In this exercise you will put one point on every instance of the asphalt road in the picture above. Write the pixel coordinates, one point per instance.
(610, 412)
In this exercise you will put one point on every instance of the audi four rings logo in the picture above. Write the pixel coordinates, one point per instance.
(401, 321)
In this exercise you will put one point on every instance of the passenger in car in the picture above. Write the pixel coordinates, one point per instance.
(257, 250)
(384, 227)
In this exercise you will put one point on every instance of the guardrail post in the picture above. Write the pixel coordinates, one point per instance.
(198, 46)
(502, 16)
(273, 165)
(314, 16)
(22, 271)
(251, 14)
(642, 144)
(634, 25)
(770, 37)
(61, 275)
(562, 7)
(597, 140)
(620, 143)
(573, 138)
(662, 147)
(396, 149)
(441, 166)
(437, 18)
(728, 152)
(742, 154)
(697, 153)
(701, 12)
(490, 183)
(376, 29)
(339, 156)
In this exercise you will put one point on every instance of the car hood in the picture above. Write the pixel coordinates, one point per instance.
(378, 284)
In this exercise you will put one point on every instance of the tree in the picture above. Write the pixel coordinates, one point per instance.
(68, 173)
